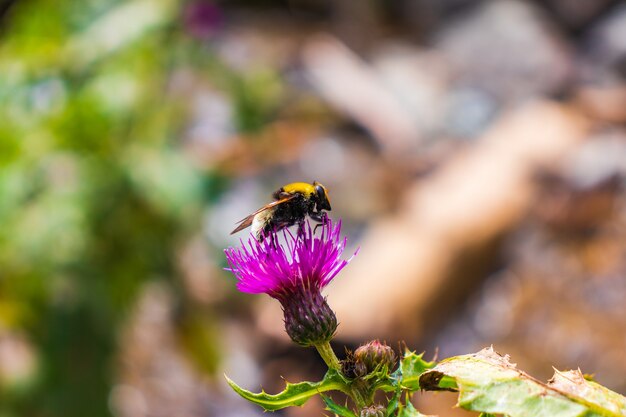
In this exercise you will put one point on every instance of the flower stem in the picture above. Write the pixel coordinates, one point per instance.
(327, 353)
(358, 398)
(331, 360)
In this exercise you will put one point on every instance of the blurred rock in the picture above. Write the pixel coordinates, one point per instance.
(422, 17)
(351, 86)
(572, 210)
(419, 80)
(575, 14)
(469, 112)
(351, 16)
(508, 49)
(581, 194)
(604, 48)
(607, 104)
(598, 160)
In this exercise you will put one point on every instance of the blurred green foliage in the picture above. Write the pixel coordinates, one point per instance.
(95, 192)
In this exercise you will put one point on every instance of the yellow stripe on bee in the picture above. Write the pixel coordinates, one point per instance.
(299, 187)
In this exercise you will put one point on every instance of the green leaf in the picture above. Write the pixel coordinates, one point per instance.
(336, 408)
(409, 411)
(293, 394)
(394, 403)
(575, 386)
(412, 366)
(488, 382)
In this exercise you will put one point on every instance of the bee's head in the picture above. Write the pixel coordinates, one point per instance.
(321, 197)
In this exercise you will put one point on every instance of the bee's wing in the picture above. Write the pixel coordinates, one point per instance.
(243, 224)
(247, 221)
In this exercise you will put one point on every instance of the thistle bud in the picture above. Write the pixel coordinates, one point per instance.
(352, 369)
(373, 411)
(375, 354)
(309, 319)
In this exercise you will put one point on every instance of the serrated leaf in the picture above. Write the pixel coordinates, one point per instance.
(336, 408)
(575, 386)
(409, 411)
(412, 366)
(490, 383)
(293, 394)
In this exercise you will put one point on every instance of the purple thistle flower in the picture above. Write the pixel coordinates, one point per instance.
(202, 19)
(276, 268)
(294, 272)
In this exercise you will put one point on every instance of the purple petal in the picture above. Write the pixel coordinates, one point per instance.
(274, 267)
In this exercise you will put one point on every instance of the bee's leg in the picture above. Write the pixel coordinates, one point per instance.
(271, 232)
(302, 233)
(320, 217)
(266, 233)
(301, 230)
(273, 237)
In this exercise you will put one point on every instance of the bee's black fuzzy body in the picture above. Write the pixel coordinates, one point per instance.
(293, 203)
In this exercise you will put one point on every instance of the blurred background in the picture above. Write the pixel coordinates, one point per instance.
(475, 150)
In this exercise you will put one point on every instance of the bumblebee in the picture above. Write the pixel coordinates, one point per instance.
(292, 203)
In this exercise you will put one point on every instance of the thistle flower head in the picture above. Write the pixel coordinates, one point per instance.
(301, 260)
(294, 271)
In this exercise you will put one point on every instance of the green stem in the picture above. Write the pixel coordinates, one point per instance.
(327, 353)
(358, 398)
(331, 360)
